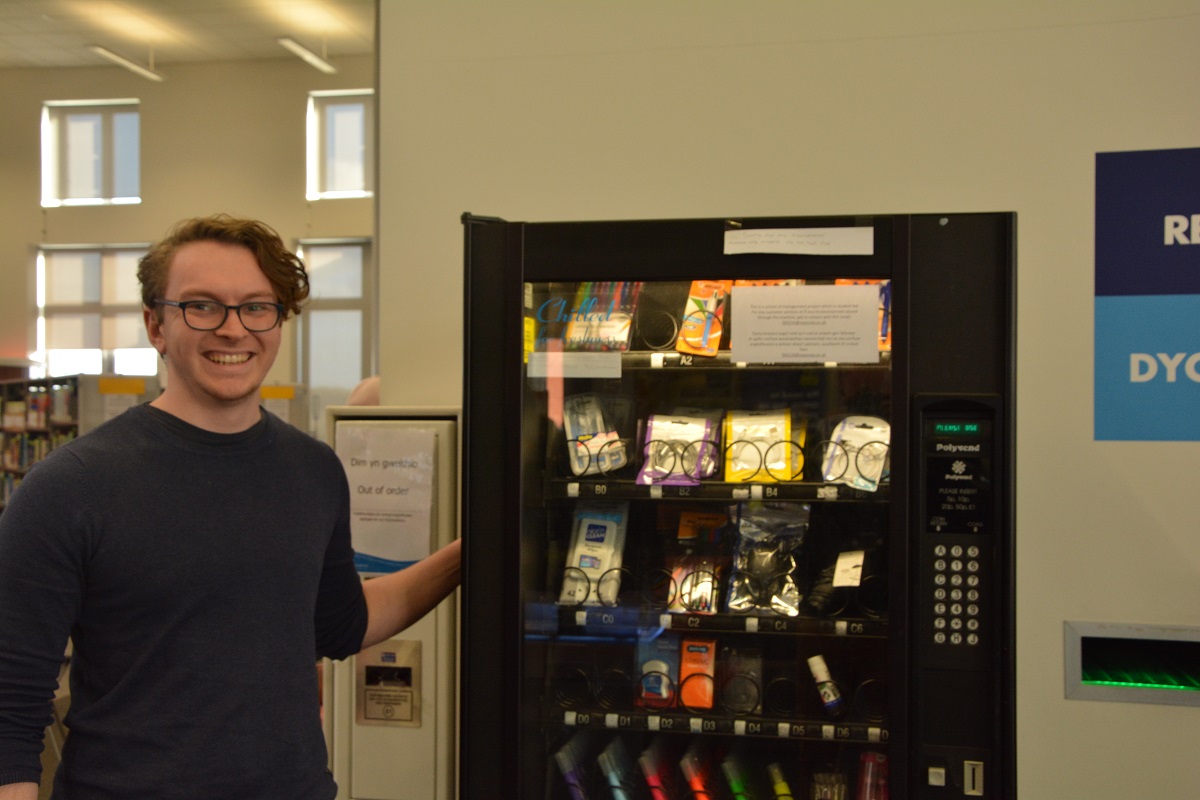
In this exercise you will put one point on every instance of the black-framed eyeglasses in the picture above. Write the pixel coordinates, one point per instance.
(257, 316)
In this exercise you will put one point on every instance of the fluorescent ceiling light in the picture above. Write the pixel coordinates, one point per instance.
(132, 66)
(308, 55)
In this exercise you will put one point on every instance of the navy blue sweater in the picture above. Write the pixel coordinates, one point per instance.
(199, 575)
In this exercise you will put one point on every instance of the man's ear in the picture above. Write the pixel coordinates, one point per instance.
(154, 329)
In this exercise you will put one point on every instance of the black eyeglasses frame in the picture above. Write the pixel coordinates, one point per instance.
(183, 306)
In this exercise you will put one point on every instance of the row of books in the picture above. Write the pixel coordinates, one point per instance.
(23, 450)
(37, 410)
(8, 484)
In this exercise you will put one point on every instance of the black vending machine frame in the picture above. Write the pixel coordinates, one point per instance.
(952, 728)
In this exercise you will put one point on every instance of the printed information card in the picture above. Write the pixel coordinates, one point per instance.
(856, 241)
(805, 324)
(391, 473)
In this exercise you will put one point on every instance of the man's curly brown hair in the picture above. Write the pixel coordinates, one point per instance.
(283, 268)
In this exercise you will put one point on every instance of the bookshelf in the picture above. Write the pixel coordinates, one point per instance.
(40, 414)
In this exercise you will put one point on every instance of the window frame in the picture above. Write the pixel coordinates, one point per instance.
(317, 145)
(55, 153)
(366, 303)
(103, 310)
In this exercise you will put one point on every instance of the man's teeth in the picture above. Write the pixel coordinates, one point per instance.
(229, 358)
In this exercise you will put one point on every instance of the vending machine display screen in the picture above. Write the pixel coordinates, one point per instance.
(958, 472)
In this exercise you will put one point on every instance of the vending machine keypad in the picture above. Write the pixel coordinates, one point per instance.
(957, 527)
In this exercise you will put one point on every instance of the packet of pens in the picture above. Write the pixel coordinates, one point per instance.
(697, 561)
(762, 577)
(703, 321)
(601, 317)
(592, 424)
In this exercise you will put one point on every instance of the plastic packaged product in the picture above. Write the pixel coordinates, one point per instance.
(570, 760)
(657, 765)
(779, 784)
(763, 446)
(857, 452)
(601, 315)
(703, 319)
(872, 777)
(696, 766)
(741, 680)
(696, 581)
(762, 572)
(697, 672)
(828, 786)
(617, 769)
(678, 450)
(593, 444)
(592, 574)
(658, 665)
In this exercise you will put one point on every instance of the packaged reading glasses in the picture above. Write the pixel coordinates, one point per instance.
(857, 452)
(593, 572)
(762, 446)
(593, 444)
(680, 450)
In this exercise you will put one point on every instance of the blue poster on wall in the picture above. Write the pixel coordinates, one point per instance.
(1147, 305)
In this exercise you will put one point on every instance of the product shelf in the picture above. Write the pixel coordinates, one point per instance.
(723, 360)
(559, 488)
(713, 724)
(546, 619)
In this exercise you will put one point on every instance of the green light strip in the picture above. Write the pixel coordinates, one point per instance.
(1137, 685)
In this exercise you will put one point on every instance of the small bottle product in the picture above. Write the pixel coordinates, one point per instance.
(779, 784)
(831, 696)
(872, 777)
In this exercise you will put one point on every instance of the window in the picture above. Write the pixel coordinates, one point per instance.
(90, 152)
(336, 331)
(90, 312)
(341, 144)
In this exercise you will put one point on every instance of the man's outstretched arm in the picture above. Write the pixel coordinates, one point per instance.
(399, 599)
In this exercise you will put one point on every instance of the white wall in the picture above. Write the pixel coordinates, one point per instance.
(628, 109)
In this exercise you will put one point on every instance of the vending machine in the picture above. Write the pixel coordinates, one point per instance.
(738, 508)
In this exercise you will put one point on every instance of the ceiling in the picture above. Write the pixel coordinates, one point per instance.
(57, 33)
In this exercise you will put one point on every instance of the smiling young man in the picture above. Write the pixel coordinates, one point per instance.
(196, 550)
